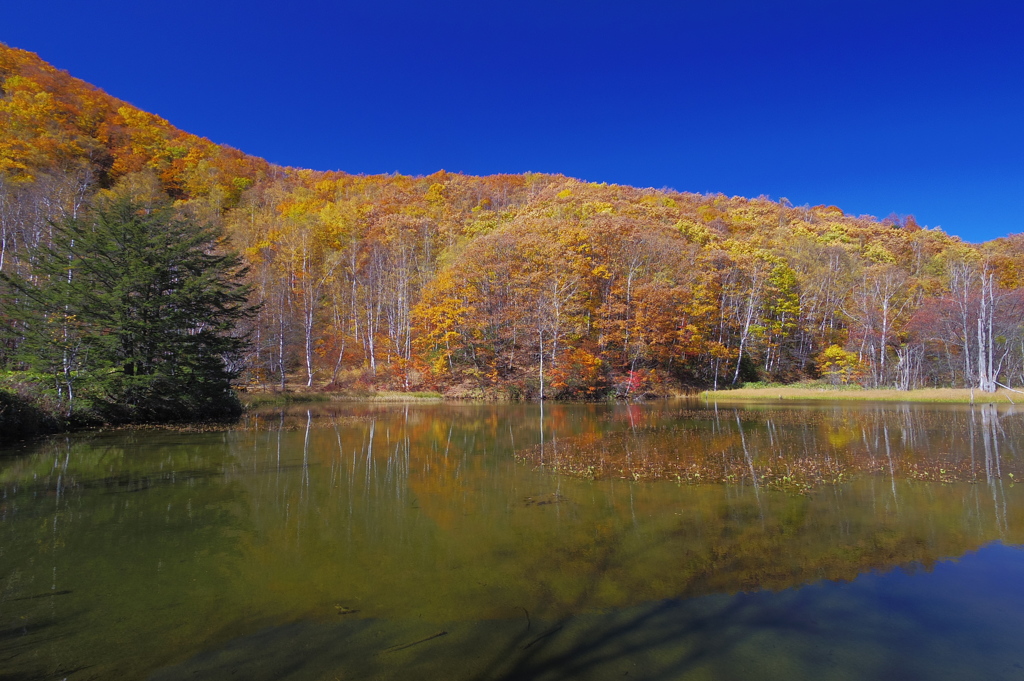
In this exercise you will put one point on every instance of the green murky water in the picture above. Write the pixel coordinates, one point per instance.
(471, 542)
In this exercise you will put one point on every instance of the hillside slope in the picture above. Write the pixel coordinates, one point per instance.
(522, 285)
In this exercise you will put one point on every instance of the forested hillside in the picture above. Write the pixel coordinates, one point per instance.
(518, 285)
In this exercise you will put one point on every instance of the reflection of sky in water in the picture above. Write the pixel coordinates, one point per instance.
(362, 529)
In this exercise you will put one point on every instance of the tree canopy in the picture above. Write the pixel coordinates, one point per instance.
(508, 285)
(134, 308)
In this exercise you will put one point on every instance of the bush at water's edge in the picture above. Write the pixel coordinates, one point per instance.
(27, 410)
(22, 415)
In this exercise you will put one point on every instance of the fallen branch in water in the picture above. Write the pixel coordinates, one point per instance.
(45, 595)
(543, 636)
(393, 649)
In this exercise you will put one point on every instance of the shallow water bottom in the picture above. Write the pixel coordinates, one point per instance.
(961, 620)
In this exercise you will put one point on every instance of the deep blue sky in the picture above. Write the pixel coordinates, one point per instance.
(875, 106)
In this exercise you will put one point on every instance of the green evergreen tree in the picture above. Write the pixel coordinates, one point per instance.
(138, 307)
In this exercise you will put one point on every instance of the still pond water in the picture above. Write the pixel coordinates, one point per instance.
(673, 540)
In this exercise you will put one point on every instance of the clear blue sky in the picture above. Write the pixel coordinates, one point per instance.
(877, 107)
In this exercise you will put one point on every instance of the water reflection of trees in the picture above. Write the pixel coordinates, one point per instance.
(421, 517)
(457, 506)
(796, 449)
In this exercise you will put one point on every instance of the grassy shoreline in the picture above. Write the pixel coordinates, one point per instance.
(922, 395)
(255, 400)
(24, 416)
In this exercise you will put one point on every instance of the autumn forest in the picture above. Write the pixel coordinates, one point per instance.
(516, 286)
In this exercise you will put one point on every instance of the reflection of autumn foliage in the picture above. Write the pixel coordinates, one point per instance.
(450, 469)
(375, 513)
(567, 544)
(780, 452)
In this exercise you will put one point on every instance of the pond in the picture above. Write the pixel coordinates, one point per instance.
(669, 540)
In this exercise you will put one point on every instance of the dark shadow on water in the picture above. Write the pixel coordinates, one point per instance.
(660, 640)
(896, 625)
(18, 644)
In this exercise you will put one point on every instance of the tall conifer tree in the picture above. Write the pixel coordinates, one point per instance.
(137, 306)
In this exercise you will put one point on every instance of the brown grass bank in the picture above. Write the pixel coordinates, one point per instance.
(948, 395)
